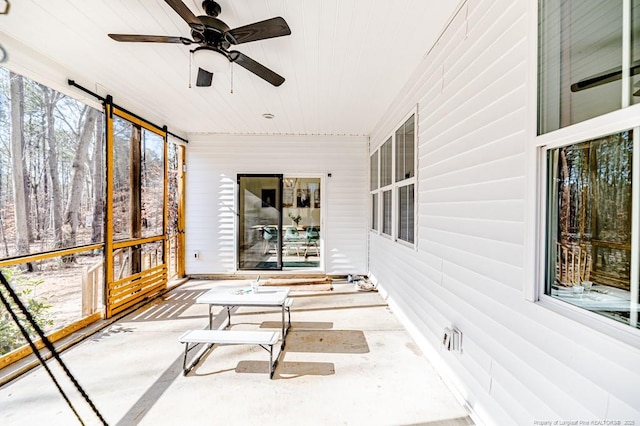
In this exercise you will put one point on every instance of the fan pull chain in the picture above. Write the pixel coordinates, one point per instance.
(190, 73)
(232, 78)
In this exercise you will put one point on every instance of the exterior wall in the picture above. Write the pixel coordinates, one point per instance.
(213, 162)
(473, 266)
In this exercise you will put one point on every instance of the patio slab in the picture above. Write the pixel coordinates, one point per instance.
(347, 361)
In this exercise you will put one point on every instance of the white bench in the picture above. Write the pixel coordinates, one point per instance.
(264, 339)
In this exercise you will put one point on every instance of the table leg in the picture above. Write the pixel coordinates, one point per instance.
(284, 335)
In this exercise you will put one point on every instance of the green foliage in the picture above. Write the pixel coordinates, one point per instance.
(296, 219)
(10, 336)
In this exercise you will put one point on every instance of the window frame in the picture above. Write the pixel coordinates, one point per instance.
(625, 118)
(394, 186)
(386, 188)
(594, 320)
(553, 92)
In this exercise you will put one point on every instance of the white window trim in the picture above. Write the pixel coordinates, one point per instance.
(394, 185)
(581, 132)
(396, 210)
(412, 180)
(375, 191)
(626, 118)
(388, 187)
(381, 201)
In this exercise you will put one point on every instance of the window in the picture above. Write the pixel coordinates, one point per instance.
(374, 176)
(405, 167)
(386, 212)
(138, 181)
(374, 171)
(374, 211)
(405, 170)
(580, 55)
(589, 198)
(386, 163)
(393, 170)
(52, 202)
(585, 71)
(386, 175)
(405, 213)
(51, 160)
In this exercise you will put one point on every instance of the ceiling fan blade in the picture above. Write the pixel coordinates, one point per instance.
(204, 78)
(186, 14)
(274, 27)
(149, 38)
(604, 77)
(256, 68)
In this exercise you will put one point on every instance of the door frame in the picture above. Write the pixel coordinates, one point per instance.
(239, 217)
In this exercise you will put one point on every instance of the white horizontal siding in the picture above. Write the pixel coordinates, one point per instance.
(213, 163)
(520, 361)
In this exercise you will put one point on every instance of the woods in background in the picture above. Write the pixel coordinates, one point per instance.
(51, 169)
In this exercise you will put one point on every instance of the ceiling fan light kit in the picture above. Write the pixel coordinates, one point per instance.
(215, 38)
(210, 60)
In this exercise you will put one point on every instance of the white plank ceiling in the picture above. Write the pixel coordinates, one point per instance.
(343, 63)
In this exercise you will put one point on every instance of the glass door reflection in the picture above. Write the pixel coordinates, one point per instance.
(260, 222)
(301, 212)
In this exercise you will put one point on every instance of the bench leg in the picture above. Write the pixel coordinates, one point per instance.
(185, 369)
(284, 329)
(272, 366)
(272, 363)
(184, 361)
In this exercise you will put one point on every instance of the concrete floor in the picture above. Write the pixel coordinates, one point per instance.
(348, 361)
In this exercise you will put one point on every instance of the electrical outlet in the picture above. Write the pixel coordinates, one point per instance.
(446, 338)
(456, 341)
(452, 339)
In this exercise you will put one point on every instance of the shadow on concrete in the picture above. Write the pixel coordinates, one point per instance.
(327, 341)
(138, 410)
(288, 370)
(299, 325)
(170, 307)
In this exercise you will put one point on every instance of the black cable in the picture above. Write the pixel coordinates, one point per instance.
(24, 332)
(48, 345)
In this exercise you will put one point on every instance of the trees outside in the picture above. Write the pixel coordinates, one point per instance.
(10, 335)
(594, 197)
(18, 165)
(51, 170)
(52, 196)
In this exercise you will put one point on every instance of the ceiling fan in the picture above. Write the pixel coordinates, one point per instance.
(215, 38)
(606, 77)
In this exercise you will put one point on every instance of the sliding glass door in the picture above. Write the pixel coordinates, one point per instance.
(260, 222)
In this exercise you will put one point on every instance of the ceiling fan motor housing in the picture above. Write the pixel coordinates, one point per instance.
(213, 35)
